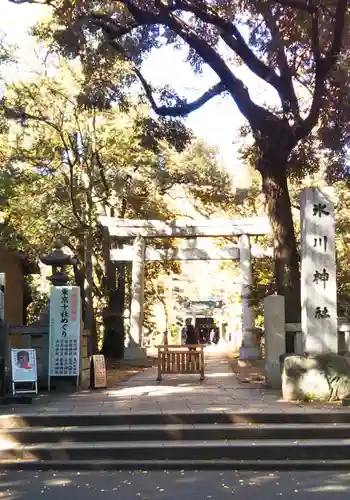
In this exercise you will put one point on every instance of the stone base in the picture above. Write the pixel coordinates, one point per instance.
(324, 377)
(251, 352)
(135, 353)
(273, 374)
(84, 380)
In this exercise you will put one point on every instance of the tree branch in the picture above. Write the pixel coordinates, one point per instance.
(40, 2)
(315, 33)
(323, 67)
(182, 109)
(255, 114)
(72, 195)
(102, 173)
(313, 10)
(107, 23)
(189, 35)
(231, 35)
(21, 115)
(140, 15)
(294, 4)
(338, 32)
(288, 96)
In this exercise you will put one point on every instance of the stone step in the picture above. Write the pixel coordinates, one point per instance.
(171, 432)
(62, 419)
(216, 464)
(236, 450)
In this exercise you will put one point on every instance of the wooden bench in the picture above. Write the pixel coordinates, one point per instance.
(180, 359)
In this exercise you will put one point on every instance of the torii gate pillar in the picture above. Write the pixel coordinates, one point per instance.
(249, 350)
(135, 340)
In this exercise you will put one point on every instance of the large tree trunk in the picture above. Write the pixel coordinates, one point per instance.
(79, 281)
(113, 338)
(90, 320)
(80, 273)
(278, 206)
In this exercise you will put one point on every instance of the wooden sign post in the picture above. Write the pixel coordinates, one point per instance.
(98, 372)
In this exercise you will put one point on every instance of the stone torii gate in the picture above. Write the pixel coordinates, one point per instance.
(138, 253)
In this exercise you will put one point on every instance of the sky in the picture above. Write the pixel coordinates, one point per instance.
(217, 122)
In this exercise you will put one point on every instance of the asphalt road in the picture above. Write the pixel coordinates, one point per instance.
(173, 485)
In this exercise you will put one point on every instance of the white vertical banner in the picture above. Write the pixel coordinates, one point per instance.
(65, 330)
(318, 271)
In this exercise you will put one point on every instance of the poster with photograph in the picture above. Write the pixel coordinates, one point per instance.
(23, 365)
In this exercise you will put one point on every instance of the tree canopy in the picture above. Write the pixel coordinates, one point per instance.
(63, 165)
(298, 48)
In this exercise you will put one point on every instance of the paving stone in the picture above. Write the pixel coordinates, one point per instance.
(220, 391)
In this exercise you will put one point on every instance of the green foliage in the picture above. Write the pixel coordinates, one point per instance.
(6, 50)
(64, 165)
(5, 59)
(286, 44)
(298, 50)
(40, 300)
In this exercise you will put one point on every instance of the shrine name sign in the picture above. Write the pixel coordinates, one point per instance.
(318, 271)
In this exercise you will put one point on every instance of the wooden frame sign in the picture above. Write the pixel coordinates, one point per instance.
(98, 372)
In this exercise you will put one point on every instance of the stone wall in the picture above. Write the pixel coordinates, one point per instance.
(294, 331)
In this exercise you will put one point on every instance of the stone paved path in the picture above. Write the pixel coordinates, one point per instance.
(220, 391)
(174, 485)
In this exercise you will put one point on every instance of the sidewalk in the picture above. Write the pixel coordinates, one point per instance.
(221, 391)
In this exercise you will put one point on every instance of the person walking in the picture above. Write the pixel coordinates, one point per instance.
(212, 336)
(183, 335)
(191, 334)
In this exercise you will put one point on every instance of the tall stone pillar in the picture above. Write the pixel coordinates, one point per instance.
(249, 350)
(137, 292)
(275, 338)
(318, 271)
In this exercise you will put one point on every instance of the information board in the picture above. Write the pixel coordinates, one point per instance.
(65, 329)
(99, 379)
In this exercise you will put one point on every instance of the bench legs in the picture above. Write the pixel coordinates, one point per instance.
(159, 378)
(202, 365)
